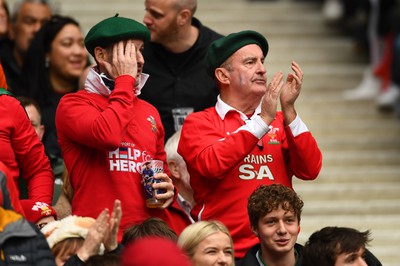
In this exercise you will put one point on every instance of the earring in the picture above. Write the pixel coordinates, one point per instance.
(47, 62)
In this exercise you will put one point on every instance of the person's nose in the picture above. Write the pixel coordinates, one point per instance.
(78, 49)
(281, 228)
(36, 26)
(222, 258)
(140, 58)
(361, 262)
(2, 13)
(261, 68)
(147, 19)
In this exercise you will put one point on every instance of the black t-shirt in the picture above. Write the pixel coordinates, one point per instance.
(179, 80)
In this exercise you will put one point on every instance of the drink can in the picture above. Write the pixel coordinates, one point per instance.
(149, 170)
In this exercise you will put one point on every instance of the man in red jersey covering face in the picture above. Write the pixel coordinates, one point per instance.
(106, 132)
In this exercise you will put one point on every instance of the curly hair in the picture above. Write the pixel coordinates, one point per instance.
(267, 198)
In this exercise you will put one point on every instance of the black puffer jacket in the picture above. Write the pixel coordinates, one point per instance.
(21, 243)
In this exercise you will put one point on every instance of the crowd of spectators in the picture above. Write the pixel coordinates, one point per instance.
(75, 134)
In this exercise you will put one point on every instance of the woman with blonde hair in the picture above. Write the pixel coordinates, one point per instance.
(207, 243)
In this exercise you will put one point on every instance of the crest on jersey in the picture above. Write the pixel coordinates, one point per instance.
(42, 207)
(272, 134)
(153, 123)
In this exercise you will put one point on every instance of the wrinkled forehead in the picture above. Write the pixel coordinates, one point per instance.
(35, 10)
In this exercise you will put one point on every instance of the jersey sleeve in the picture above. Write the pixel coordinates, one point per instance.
(32, 159)
(84, 123)
(210, 152)
(303, 155)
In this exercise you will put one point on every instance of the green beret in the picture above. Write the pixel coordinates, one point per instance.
(221, 49)
(115, 29)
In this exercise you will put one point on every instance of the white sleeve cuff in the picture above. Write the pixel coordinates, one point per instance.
(297, 126)
(255, 126)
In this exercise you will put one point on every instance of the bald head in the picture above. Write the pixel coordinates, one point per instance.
(189, 4)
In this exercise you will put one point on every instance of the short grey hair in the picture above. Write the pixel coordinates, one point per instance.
(189, 4)
(17, 7)
(171, 147)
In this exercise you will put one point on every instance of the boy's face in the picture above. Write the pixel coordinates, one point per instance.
(278, 231)
(351, 259)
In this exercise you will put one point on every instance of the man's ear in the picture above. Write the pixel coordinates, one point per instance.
(222, 75)
(255, 231)
(100, 54)
(184, 16)
(174, 169)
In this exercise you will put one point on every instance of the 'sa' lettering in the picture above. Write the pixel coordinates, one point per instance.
(247, 172)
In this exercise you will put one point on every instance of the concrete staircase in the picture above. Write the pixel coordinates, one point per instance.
(359, 185)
